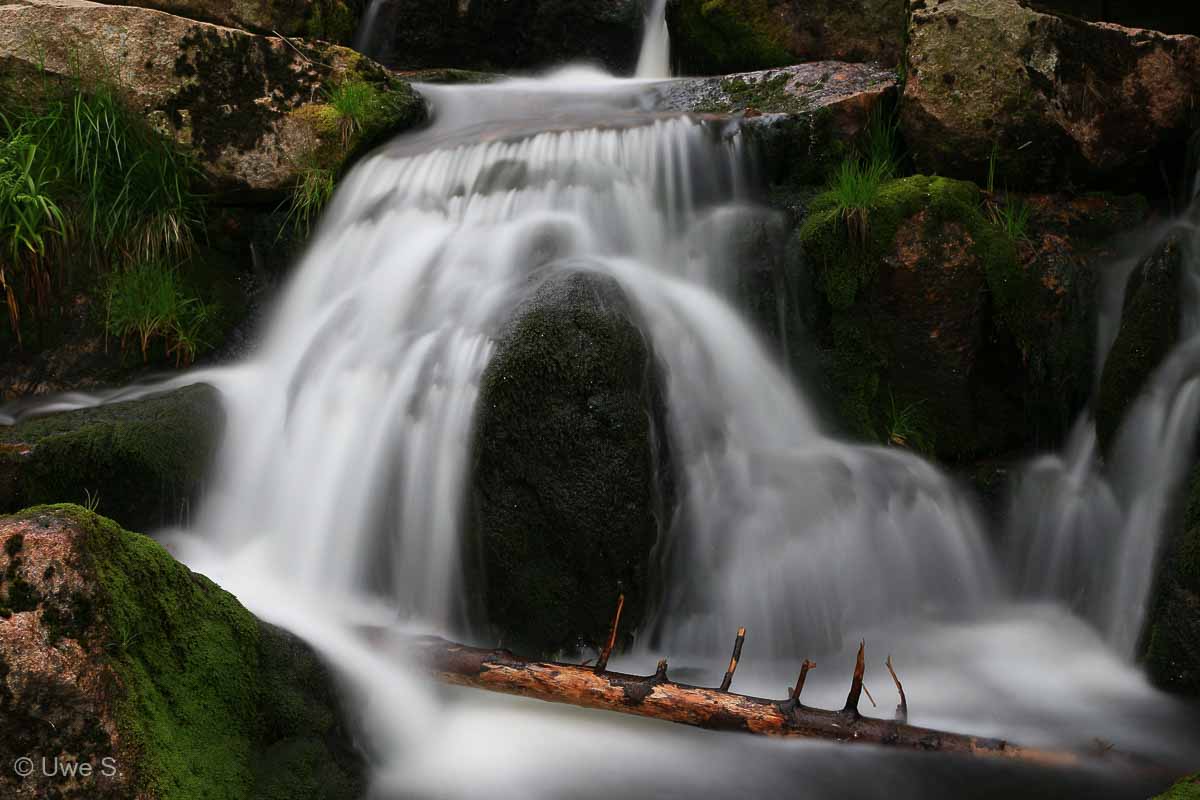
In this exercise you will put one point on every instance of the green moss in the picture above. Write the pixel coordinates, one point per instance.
(723, 36)
(331, 20)
(142, 459)
(766, 93)
(1186, 789)
(212, 703)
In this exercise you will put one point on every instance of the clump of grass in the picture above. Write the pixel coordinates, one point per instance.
(84, 179)
(1011, 217)
(906, 427)
(30, 221)
(358, 104)
(148, 302)
(308, 199)
(855, 184)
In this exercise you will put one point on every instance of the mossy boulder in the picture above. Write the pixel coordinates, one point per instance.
(501, 35)
(905, 294)
(569, 476)
(1149, 329)
(719, 36)
(114, 655)
(331, 20)
(1186, 789)
(227, 95)
(947, 327)
(1173, 649)
(141, 460)
(1044, 100)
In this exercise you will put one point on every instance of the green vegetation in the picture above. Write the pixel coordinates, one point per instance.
(857, 181)
(1186, 789)
(148, 301)
(208, 701)
(1011, 217)
(723, 36)
(85, 181)
(907, 427)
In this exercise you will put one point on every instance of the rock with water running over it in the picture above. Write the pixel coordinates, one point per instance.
(259, 112)
(1041, 100)
(115, 655)
(717, 36)
(1173, 641)
(141, 461)
(505, 34)
(800, 118)
(570, 468)
(330, 20)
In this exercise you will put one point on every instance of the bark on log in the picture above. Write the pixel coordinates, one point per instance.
(659, 697)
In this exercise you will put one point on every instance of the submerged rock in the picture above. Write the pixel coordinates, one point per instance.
(710, 37)
(257, 111)
(141, 461)
(512, 35)
(114, 655)
(569, 474)
(1041, 100)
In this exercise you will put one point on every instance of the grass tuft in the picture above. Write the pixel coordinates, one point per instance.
(147, 302)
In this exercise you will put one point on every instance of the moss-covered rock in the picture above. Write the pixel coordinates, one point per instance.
(1149, 329)
(1044, 100)
(906, 302)
(1173, 649)
(1186, 789)
(227, 95)
(142, 460)
(331, 20)
(719, 36)
(568, 464)
(501, 35)
(117, 656)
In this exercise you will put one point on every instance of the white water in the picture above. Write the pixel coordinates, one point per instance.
(655, 58)
(336, 507)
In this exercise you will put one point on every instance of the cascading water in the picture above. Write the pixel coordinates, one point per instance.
(655, 58)
(337, 503)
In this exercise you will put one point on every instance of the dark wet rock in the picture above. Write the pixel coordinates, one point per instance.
(1042, 100)
(142, 460)
(1165, 17)
(567, 484)
(1149, 330)
(495, 35)
(731, 35)
(113, 654)
(1173, 641)
(254, 109)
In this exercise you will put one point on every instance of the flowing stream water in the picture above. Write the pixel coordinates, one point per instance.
(337, 502)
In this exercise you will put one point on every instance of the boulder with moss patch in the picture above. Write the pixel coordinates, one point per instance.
(569, 467)
(143, 461)
(1044, 100)
(234, 98)
(500, 35)
(113, 654)
(718, 36)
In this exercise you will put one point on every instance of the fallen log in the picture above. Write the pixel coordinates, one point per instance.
(659, 697)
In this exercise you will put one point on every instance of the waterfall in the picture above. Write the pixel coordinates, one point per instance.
(1088, 530)
(654, 61)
